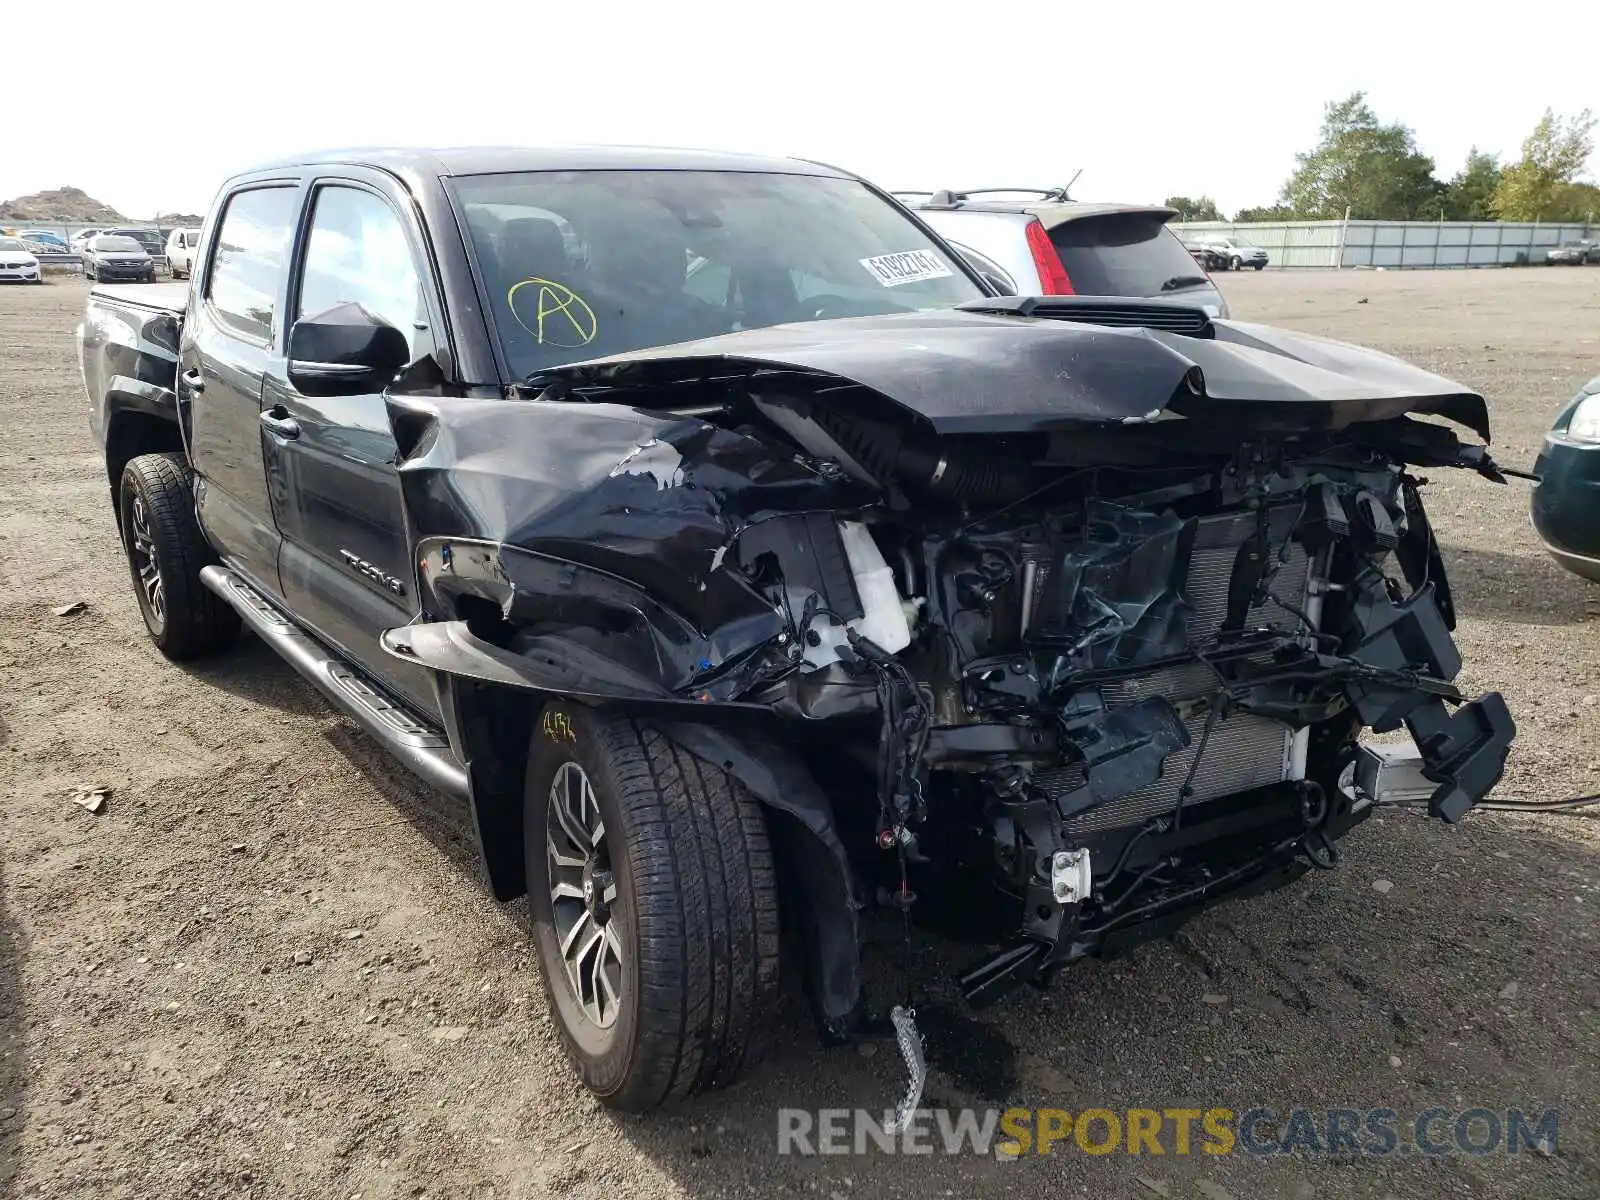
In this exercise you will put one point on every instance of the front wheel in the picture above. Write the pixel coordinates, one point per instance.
(655, 908)
(165, 549)
(1261, 266)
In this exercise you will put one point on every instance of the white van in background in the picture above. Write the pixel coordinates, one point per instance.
(181, 245)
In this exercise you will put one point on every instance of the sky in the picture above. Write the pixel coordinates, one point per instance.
(1148, 100)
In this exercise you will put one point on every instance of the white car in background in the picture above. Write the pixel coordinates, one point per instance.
(80, 240)
(17, 263)
(181, 244)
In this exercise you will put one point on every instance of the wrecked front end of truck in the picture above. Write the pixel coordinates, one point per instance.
(1054, 630)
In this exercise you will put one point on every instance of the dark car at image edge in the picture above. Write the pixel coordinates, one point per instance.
(709, 530)
(1565, 505)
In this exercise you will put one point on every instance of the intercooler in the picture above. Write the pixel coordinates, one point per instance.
(1244, 751)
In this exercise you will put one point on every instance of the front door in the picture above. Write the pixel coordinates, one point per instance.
(345, 561)
(233, 332)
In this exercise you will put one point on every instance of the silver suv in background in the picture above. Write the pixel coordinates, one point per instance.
(1233, 254)
(1040, 242)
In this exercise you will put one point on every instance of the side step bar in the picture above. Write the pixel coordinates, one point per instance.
(419, 748)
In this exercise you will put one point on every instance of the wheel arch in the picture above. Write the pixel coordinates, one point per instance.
(493, 725)
(132, 429)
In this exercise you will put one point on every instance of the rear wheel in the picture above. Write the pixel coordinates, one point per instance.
(1235, 263)
(655, 908)
(165, 549)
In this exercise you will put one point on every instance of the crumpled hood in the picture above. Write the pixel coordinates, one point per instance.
(970, 372)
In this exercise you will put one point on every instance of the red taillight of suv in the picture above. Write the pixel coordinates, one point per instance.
(1052, 274)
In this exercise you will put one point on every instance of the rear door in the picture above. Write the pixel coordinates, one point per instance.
(232, 334)
(1131, 254)
(345, 560)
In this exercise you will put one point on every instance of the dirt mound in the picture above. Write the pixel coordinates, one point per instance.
(58, 204)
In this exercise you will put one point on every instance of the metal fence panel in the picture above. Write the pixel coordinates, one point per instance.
(1395, 244)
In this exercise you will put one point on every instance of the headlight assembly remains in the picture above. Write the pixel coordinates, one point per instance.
(1585, 423)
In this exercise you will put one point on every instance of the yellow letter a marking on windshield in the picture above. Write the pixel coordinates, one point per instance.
(561, 317)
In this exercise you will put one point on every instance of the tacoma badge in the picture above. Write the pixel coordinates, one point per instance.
(361, 565)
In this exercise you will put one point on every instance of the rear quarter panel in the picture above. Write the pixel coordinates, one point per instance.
(128, 351)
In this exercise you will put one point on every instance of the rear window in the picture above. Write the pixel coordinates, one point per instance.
(580, 264)
(1124, 254)
(251, 257)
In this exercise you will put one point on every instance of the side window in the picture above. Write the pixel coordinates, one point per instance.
(357, 253)
(252, 257)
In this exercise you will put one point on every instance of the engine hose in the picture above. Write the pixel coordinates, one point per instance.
(944, 472)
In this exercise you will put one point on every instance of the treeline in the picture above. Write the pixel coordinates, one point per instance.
(1377, 173)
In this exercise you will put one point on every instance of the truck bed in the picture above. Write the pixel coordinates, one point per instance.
(160, 297)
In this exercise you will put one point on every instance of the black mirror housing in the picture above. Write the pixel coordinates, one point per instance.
(346, 351)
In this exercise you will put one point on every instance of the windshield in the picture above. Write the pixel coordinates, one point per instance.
(1124, 254)
(582, 264)
(11, 244)
(116, 244)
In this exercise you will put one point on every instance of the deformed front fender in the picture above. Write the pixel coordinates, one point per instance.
(603, 540)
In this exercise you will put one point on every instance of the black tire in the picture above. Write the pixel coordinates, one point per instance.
(685, 854)
(1235, 263)
(1261, 266)
(165, 551)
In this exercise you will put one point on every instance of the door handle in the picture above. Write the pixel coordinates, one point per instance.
(192, 380)
(280, 422)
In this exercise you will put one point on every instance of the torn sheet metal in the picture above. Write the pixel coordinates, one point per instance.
(601, 518)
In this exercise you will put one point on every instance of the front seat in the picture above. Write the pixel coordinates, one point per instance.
(531, 247)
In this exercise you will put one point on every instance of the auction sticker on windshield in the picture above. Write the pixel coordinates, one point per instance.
(909, 266)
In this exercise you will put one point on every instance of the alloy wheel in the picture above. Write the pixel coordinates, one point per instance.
(583, 895)
(146, 563)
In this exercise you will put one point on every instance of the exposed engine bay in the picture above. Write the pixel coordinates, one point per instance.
(1054, 675)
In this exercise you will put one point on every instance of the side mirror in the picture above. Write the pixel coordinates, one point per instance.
(346, 351)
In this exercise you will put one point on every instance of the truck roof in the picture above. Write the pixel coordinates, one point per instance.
(488, 160)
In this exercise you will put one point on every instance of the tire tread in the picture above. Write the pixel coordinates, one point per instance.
(706, 894)
(198, 621)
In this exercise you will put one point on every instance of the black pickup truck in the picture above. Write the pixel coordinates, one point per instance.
(706, 526)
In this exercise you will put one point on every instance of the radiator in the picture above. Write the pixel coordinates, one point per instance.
(1244, 751)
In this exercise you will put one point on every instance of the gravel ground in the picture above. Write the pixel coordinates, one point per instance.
(267, 967)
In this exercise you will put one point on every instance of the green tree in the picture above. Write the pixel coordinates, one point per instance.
(1274, 212)
(1467, 196)
(1576, 202)
(1374, 170)
(1200, 208)
(1537, 186)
